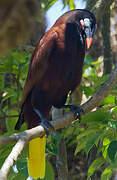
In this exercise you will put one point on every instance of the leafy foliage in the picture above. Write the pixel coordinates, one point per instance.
(97, 128)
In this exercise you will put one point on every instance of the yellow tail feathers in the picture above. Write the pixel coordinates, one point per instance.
(36, 158)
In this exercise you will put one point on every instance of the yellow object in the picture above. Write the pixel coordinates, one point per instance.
(36, 158)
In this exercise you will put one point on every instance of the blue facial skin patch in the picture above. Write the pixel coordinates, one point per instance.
(87, 22)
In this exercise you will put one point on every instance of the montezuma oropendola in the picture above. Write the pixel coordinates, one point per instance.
(55, 69)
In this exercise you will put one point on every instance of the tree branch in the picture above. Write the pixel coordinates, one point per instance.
(102, 93)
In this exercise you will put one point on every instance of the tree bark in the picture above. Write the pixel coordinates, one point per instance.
(106, 40)
(61, 161)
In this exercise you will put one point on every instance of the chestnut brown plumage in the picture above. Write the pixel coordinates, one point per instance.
(56, 66)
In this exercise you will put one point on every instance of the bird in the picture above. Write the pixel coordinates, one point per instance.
(55, 70)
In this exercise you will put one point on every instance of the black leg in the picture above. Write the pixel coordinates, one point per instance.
(20, 121)
(44, 122)
(38, 101)
(77, 110)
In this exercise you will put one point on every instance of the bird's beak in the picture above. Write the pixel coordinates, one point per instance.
(88, 42)
(89, 37)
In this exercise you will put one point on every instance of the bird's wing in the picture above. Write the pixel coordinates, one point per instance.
(39, 61)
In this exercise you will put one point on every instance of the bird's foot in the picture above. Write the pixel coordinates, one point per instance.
(47, 125)
(77, 110)
(44, 122)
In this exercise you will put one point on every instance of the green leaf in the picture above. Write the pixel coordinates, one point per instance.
(109, 100)
(10, 122)
(105, 152)
(94, 166)
(91, 141)
(88, 91)
(113, 124)
(112, 150)
(97, 63)
(4, 152)
(8, 92)
(22, 166)
(71, 4)
(48, 4)
(86, 132)
(106, 141)
(114, 109)
(114, 112)
(1, 82)
(89, 72)
(99, 116)
(88, 59)
(16, 176)
(81, 145)
(116, 100)
(52, 144)
(68, 131)
(106, 174)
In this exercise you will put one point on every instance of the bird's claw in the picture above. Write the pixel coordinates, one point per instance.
(44, 122)
(47, 125)
(77, 110)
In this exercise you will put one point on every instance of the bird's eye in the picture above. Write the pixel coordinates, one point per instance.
(87, 22)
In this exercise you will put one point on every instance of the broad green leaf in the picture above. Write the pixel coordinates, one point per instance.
(52, 144)
(22, 166)
(99, 116)
(106, 141)
(97, 63)
(109, 100)
(106, 174)
(88, 91)
(93, 139)
(81, 145)
(113, 124)
(68, 131)
(89, 72)
(112, 150)
(114, 109)
(86, 132)
(94, 166)
(105, 152)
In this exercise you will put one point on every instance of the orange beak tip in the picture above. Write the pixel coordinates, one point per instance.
(88, 42)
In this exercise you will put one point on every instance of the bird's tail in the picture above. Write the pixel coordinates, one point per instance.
(36, 158)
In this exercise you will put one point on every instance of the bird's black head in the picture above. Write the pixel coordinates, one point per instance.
(86, 21)
(88, 25)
